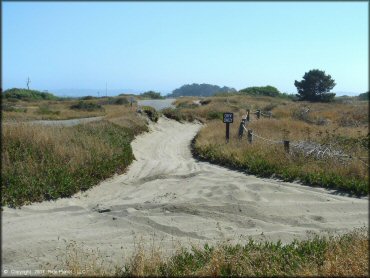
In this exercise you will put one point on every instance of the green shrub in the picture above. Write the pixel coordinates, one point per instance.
(213, 115)
(151, 112)
(363, 96)
(121, 101)
(88, 98)
(205, 101)
(88, 106)
(25, 94)
(152, 95)
(261, 91)
(45, 110)
(8, 108)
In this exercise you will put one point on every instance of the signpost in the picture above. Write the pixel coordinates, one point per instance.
(228, 118)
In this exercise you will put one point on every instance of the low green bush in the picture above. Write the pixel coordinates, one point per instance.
(45, 110)
(214, 115)
(151, 112)
(25, 94)
(88, 106)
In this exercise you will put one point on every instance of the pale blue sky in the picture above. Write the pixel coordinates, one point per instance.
(163, 45)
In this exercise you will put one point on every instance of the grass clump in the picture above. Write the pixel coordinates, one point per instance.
(176, 115)
(345, 255)
(88, 106)
(266, 160)
(332, 255)
(151, 113)
(46, 163)
(46, 110)
(6, 107)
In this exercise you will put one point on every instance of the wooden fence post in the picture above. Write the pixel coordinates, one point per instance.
(286, 146)
(248, 111)
(250, 136)
(227, 132)
(241, 129)
(258, 113)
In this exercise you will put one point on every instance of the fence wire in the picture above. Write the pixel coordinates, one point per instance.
(312, 149)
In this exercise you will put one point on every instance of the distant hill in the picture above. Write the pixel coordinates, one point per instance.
(25, 94)
(203, 90)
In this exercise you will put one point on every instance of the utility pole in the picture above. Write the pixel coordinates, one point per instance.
(28, 83)
(106, 88)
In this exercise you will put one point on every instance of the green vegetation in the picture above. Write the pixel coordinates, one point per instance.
(200, 90)
(25, 94)
(151, 112)
(88, 98)
(46, 110)
(320, 255)
(113, 101)
(264, 91)
(88, 106)
(315, 87)
(46, 163)
(6, 107)
(177, 115)
(344, 255)
(363, 96)
(151, 95)
(269, 91)
(266, 164)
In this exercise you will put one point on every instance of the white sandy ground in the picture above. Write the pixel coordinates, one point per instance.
(167, 197)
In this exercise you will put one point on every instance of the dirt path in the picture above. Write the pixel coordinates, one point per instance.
(70, 122)
(169, 197)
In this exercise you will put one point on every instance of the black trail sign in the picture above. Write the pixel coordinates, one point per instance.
(228, 118)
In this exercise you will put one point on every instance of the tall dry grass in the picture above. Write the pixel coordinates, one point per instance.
(48, 162)
(339, 126)
(340, 255)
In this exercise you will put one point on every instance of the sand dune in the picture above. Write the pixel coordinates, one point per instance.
(168, 196)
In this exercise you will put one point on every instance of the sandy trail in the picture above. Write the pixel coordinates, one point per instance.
(168, 196)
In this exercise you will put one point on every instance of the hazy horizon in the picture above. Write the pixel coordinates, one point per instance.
(74, 92)
(161, 46)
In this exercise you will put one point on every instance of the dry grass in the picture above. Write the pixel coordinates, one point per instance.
(46, 110)
(323, 124)
(341, 255)
(48, 162)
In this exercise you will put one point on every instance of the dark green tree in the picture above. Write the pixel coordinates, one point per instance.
(315, 86)
(152, 95)
(363, 96)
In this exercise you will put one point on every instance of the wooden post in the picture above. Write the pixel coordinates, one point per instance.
(241, 129)
(258, 113)
(286, 146)
(250, 136)
(227, 132)
(228, 118)
(248, 111)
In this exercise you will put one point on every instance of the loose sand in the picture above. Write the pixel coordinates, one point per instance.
(167, 197)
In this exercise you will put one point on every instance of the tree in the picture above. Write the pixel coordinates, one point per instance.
(261, 91)
(315, 86)
(152, 95)
(363, 96)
